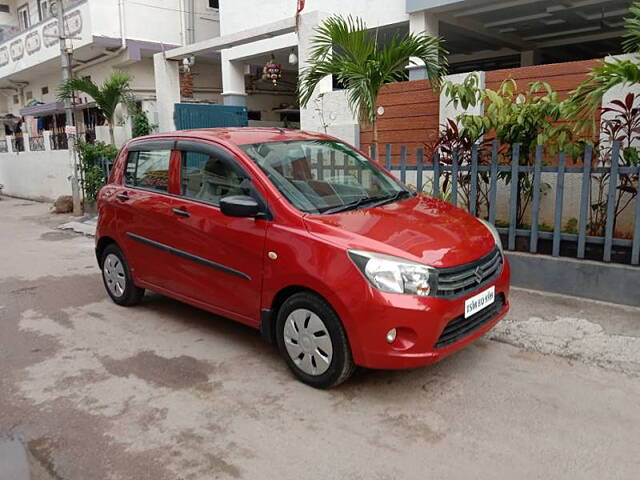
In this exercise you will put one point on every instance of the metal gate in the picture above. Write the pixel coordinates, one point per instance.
(194, 115)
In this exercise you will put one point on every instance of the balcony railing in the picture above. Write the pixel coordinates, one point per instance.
(36, 144)
(21, 49)
(8, 33)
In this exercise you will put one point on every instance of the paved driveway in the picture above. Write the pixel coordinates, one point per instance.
(90, 390)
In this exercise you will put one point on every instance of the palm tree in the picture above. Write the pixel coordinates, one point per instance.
(108, 96)
(345, 48)
(587, 98)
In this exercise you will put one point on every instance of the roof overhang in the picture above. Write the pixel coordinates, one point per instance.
(481, 25)
(216, 44)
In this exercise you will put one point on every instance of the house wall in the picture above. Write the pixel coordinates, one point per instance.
(330, 114)
(207, 81)
(207, 21)
(413, 112)
(235, 17)
(410, 117)
(36, 175)
(142, 82)
(168, 25)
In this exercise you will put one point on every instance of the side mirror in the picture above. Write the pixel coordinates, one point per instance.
(239, 206)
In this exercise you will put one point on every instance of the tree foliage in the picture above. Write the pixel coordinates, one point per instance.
(587, 98)
(115, 90)
(344, 47)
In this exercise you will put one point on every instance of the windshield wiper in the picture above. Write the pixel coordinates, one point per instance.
(394, 197)
(352, 205)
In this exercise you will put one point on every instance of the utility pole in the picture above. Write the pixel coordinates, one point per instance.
(65, 59)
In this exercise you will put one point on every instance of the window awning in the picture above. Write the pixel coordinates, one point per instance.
(52, 108)
(42, 109)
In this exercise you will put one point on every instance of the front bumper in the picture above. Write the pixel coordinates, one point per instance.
(420, 322)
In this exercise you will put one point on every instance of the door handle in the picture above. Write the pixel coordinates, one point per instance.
(122, 196)
(181, 213)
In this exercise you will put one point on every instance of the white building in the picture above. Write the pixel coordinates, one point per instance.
(251, 33)
(106, 35)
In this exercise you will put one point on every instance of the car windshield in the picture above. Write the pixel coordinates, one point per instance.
(324, 176)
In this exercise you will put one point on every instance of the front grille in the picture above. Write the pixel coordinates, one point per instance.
(458, 281)
(461, 327)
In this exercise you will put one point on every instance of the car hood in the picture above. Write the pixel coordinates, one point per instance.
(420, 228)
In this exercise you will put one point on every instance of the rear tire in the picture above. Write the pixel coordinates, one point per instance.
(117, 279)
(313, 342)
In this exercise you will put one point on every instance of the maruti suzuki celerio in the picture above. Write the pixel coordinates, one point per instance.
(305, 238)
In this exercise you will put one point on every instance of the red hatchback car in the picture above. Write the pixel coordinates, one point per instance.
(305, 238)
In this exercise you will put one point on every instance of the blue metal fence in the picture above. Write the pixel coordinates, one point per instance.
(199, 115)
(582, 241)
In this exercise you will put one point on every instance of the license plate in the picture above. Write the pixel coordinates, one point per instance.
(476, 303)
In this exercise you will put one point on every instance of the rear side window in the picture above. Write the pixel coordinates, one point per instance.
(148, 169)
(208, 178)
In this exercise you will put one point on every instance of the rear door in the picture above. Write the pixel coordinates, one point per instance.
(146, 209)
(221, 257)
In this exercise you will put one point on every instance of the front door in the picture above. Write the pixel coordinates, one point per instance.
(222, 257)
(145, 211)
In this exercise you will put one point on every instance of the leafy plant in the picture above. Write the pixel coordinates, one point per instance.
(571, 226)
(620, 124)
(530, 119)
(140, 125)
(466, 94)
(444, 194)
(114, 91)
(344, 47)
(587, 98)
(93, 159)
(451, 144)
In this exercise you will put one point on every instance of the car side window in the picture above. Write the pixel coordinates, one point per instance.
(207, 177)
(148, 169)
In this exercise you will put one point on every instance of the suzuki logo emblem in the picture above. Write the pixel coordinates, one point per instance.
(478, 274)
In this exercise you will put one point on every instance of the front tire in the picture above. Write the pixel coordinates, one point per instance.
(117, 279)
(313, 342)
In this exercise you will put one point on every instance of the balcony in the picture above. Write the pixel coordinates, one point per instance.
(96, 28)
(40, 42)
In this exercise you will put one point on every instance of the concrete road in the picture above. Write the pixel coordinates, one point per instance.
(90, 390)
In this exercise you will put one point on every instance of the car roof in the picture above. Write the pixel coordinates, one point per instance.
(241, 135)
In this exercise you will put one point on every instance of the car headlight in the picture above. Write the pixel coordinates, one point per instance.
(393, 274)
(494, 232)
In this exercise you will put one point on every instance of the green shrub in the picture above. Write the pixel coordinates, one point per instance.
(140, 125)
(93, 159)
